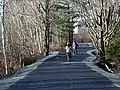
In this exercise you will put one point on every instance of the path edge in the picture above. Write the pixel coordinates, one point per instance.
(115, 78)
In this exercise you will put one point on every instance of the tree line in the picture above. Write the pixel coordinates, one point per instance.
(34, 28)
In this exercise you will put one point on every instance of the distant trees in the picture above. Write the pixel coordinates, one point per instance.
(65, 22)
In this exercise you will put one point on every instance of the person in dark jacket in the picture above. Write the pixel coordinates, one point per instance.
(75, 46)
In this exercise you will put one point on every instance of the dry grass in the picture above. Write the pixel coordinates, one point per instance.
(15, 64)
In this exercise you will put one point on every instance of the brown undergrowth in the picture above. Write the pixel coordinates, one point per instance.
(14, 64)
(112, 63)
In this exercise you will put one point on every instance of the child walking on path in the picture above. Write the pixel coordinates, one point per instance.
(68, 51)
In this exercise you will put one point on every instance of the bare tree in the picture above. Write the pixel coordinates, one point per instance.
(101, 19)
(45, 7)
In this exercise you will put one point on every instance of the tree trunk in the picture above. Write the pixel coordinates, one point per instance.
(102, 51)
(4, 37)
(47, 26)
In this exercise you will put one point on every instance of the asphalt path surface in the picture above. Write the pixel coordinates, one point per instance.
(58, 74)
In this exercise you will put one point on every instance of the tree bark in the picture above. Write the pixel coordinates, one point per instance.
(4, 36)
(102, 50)
(47, 27)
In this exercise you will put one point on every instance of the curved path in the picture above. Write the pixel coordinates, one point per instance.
(58, 74)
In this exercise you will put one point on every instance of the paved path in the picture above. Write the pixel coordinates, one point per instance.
(58, 74)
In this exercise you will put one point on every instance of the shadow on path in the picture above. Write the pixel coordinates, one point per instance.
(58, 74)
